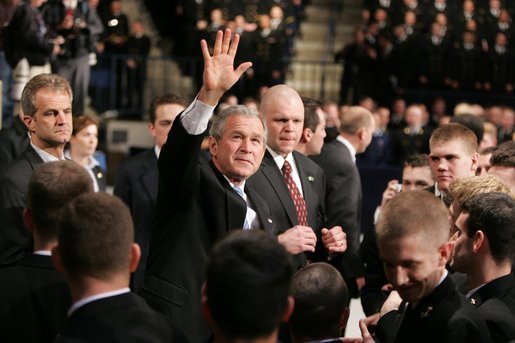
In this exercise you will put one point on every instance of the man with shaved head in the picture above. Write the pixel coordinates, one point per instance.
(292, 184)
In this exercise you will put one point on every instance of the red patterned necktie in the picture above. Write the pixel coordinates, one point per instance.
(298, 199)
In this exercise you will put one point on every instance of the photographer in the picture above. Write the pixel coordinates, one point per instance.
(79, 25)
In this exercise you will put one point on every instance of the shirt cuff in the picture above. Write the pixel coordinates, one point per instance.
(196, 117)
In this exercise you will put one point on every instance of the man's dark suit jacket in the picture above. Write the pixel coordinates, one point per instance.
(445, 315)
(120, 318)
(136, 185)
(34, 298)
(196, 206)
(495, 302)
(269, 182)
(13, 142)
(14, 184)
(343, 202)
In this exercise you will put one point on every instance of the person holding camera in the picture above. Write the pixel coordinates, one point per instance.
(78, 24)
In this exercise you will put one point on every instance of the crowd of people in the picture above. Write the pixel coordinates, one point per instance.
(72, 39)
(251, 232)
(430, 44)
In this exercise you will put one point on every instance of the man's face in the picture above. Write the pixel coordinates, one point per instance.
(483, 164)
(52, 123)
(317, 137)
(463, 245)
(414, 178)
(412, 266)
(239, 152)
(165, 115)
(450, 161)
(285, 120)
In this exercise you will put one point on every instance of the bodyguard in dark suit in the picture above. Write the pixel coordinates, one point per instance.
(484, 236)
(46, 104)
(413, 238)
(199, 202)
(34, 296)
(343, 190)
(97, 253)
(292, 184)
(137, 177)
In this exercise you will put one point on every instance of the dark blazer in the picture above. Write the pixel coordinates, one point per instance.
(136, 184)
(121, 318)
(269, 182)
(495, 302)
(195, 207)
(343, 201)
(34, 298)
(13, 142)
(14, 184)
(443, 316)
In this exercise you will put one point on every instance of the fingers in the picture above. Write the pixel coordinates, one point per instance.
(226, 41)
(365, 334)
(242, 68)
(217, 49)
(205, 50)
(234, 45)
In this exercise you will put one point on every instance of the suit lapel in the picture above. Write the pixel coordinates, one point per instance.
(149, 175)
(276, 178)
(236, 206)
(261, 208)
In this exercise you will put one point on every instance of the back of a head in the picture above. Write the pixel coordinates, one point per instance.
(95, 237)
(504, 155)
(247, 284)
(321, 298)
(472, 122)
(463, 189)
(452, 132)
(413, 213)
(51, 187)
(355, 118)
(494, 214)
(311, 119)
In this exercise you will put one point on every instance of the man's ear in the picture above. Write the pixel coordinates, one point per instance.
(306, 135)
(135, 257)
(27, 219)
(480, 240)
(289, 309)
(151, 129)
(344, 319)
(56, 258)
(29, 123)
(446, 250)
(362, 131)
(475, 161)
(213, 147)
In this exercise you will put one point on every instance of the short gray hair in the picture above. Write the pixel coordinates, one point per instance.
(51, 82)
(218, 122)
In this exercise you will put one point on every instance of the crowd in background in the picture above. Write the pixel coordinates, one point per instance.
(431, 44)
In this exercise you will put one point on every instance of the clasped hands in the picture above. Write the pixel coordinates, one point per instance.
(300, 239)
